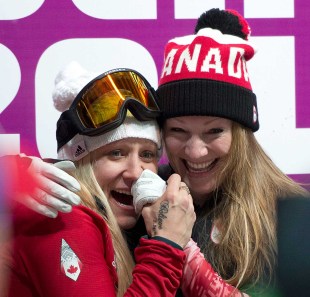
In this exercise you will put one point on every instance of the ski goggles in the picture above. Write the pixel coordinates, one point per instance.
(102, 104)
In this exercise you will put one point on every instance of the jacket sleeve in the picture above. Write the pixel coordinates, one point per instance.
(158, 270)
(201, 280)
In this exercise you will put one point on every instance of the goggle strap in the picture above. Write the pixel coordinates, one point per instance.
(67, 127)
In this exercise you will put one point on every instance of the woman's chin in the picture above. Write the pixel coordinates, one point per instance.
(127, 222)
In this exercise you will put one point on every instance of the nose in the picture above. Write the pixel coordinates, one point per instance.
(196, 148)
(133, 170)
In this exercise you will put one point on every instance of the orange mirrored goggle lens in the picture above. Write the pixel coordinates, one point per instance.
(103, 100)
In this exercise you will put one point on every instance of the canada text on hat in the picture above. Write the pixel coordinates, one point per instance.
(206, 73)
(208, 55)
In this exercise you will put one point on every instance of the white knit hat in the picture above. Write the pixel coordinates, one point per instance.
(68, 83)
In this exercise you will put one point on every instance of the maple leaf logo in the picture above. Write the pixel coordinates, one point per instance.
(72, 269)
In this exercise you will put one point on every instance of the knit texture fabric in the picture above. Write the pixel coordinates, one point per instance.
(206, 74)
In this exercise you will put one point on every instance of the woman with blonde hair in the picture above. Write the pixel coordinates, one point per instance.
(110, 133)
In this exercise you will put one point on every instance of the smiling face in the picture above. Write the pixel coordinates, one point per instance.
(195, 146)
(117, 166)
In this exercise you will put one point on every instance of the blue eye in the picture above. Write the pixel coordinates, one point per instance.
(148, 155)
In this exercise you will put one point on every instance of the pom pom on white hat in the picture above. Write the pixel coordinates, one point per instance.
(68, 83)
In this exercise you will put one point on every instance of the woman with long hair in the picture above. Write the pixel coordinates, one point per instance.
(209, 116)
(109, 130)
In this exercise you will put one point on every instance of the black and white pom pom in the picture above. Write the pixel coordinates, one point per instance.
(227, 21)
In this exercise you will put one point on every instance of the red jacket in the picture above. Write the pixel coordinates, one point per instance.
(73, 255)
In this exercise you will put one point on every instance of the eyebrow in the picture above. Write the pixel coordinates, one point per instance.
(207, 121)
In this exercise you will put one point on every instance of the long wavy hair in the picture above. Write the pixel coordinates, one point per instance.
(249, 185)
(90, 189)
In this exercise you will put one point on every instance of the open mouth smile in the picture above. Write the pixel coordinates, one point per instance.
(122, 198)
(200, 167)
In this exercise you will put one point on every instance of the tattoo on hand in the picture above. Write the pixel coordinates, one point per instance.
(163, 209)
(154, 228)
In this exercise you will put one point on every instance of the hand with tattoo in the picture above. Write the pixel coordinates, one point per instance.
(172, 216)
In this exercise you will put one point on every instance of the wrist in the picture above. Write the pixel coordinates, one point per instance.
(166, 240)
